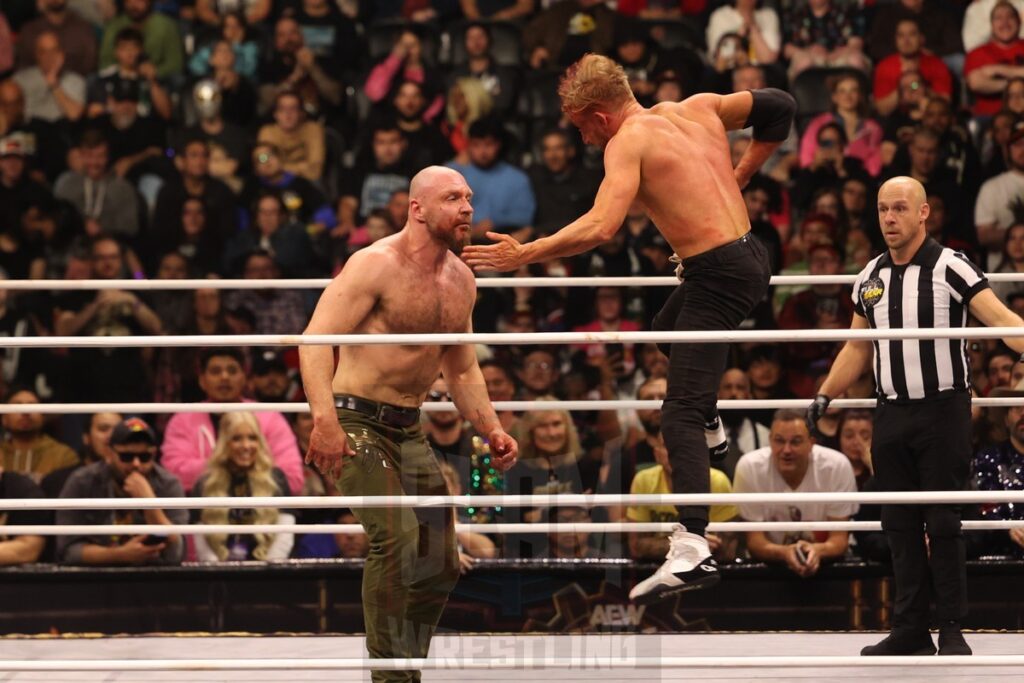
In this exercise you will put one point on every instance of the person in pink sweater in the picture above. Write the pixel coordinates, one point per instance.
(190, 437)
(405, 62)
(849, 110)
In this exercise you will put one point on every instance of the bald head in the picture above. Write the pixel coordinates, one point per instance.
(904, 187)
(427, 181)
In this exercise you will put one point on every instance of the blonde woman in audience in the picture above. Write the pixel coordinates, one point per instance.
(468, 101)
(241, 466)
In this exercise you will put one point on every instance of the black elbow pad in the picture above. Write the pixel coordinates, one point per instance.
(771, 115)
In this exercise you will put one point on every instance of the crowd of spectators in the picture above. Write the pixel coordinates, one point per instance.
(273, 138)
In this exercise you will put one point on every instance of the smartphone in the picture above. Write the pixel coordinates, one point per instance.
(801, 555)
(153, 539)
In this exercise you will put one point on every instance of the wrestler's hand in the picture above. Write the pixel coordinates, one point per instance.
(815, 412)
(502, 256)
(328, 447)
(504, 450)
(714, 542)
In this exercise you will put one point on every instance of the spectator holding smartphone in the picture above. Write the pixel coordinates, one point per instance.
(129, 471)
(794, 463)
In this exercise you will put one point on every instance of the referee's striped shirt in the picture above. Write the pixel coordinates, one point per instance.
(933, 290)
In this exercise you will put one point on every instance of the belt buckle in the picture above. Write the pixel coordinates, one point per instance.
(389, 416)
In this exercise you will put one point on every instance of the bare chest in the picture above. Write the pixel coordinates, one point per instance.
(410, 306)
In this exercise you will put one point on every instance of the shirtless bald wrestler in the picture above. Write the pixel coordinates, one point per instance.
(674, 159)
(366, 420)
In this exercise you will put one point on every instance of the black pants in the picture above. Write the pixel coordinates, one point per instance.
(924, 446)
(720, 288)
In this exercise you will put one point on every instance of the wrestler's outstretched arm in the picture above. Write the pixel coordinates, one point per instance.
(595, 227)
(344, 304)
(469, 392)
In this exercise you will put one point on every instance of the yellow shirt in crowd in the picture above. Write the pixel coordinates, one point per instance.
(653, 480)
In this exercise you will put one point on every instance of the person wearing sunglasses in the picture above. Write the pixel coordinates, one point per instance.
(129, 471)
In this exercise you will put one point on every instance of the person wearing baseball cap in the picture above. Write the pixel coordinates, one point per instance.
(18, 191)
(269, 380)
(130, 471)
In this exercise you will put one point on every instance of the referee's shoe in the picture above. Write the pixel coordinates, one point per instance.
(902, 643)
(688, 566)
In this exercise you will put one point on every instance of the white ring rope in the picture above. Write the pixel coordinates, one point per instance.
(442, 406)
(553, 500)
(582, 662)
(483, 528)
(482, 282)
(514, 339)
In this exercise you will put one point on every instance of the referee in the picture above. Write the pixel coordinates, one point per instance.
(922, 436)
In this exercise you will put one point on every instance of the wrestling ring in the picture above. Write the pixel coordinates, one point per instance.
(999, 656)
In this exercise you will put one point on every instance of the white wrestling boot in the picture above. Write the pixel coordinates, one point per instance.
(688, 566)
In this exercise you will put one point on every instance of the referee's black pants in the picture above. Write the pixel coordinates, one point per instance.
(924, 445)
(721, 287)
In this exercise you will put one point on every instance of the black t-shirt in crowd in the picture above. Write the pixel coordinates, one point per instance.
(14, 485)
(238, 104)
(104, 374)
(14, 200)
(23, 367)
(564, 197)
(145, 131)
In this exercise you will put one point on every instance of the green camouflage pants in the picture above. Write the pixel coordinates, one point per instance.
(413, 563)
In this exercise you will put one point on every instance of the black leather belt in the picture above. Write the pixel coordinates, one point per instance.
(385, 413)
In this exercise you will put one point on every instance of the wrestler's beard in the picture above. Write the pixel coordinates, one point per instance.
(452, 239)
